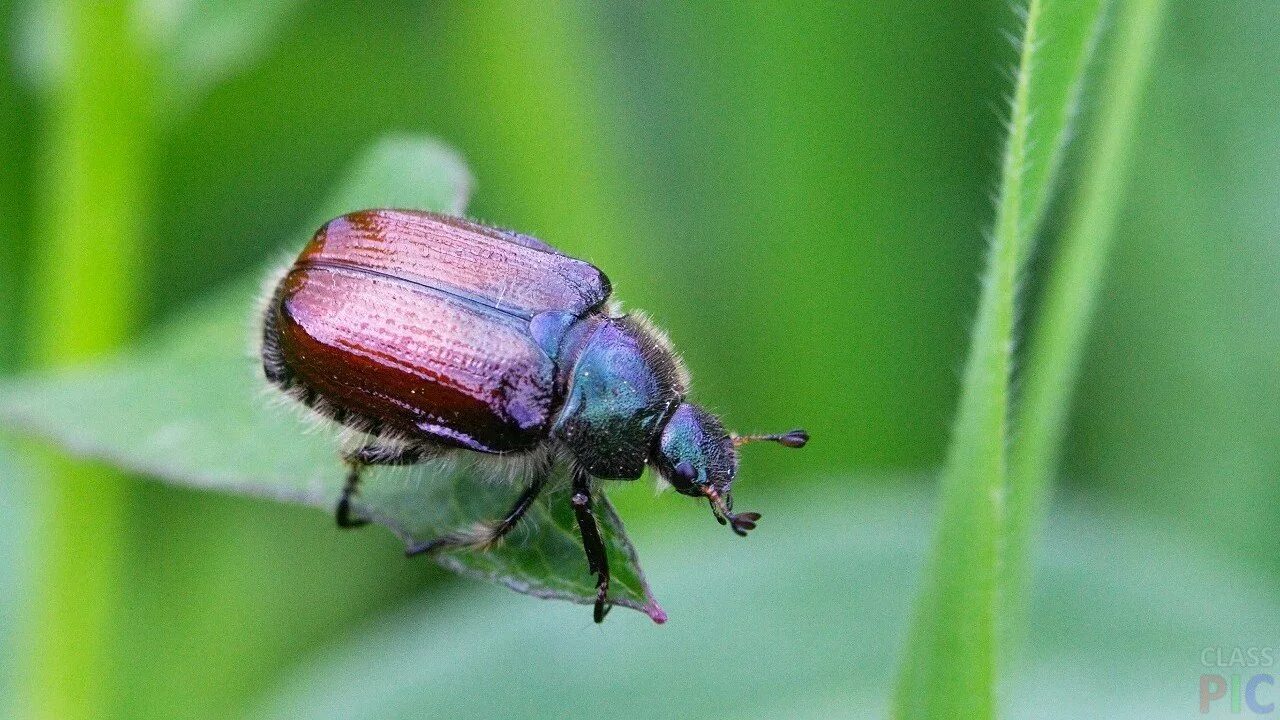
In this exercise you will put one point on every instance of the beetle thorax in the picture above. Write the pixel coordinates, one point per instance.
(621, 382)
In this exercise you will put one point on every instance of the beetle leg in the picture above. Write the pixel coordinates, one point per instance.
(343, 513)
(592, 543)
(485, 535)
(372, 455)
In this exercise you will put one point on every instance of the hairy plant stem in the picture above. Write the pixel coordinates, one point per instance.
(956, 616)
(1059, 330)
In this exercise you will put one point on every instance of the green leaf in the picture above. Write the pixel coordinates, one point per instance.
(191, 408)
(779, 630)
(950, 669)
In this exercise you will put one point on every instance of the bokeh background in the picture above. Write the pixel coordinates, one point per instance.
(799, 193)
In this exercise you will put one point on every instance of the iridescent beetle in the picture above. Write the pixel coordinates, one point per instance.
(433, 334)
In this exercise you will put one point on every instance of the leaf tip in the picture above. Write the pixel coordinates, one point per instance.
(655, 612)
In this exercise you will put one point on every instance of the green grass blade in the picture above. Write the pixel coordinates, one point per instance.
(950, 668)
(1059, 329)
(1069, 33)
(90, 233)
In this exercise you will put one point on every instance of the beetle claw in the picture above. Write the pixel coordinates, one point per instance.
(740, 523)
(744, 522)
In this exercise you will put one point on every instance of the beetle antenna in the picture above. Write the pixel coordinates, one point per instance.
(792, 439)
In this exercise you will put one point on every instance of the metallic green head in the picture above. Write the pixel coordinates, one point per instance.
(700, 459)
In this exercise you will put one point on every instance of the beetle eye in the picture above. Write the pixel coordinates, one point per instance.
(685, 472)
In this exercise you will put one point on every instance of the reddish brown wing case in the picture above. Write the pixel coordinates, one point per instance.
(420, 322)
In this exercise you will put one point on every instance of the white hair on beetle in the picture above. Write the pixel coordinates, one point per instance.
(660, 484)
(267, 295)
(658, 343)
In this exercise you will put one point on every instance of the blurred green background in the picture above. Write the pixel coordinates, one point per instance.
(800, 194)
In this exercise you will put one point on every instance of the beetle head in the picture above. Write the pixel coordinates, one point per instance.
(699, 458)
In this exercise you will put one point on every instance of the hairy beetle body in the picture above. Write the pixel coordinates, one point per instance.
(445, 334)
(419, 325)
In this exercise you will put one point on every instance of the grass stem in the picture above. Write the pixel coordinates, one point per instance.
(91, 214)
(1059, 330)
(951, 662)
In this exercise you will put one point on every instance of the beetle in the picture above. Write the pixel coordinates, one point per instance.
(433, 334)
